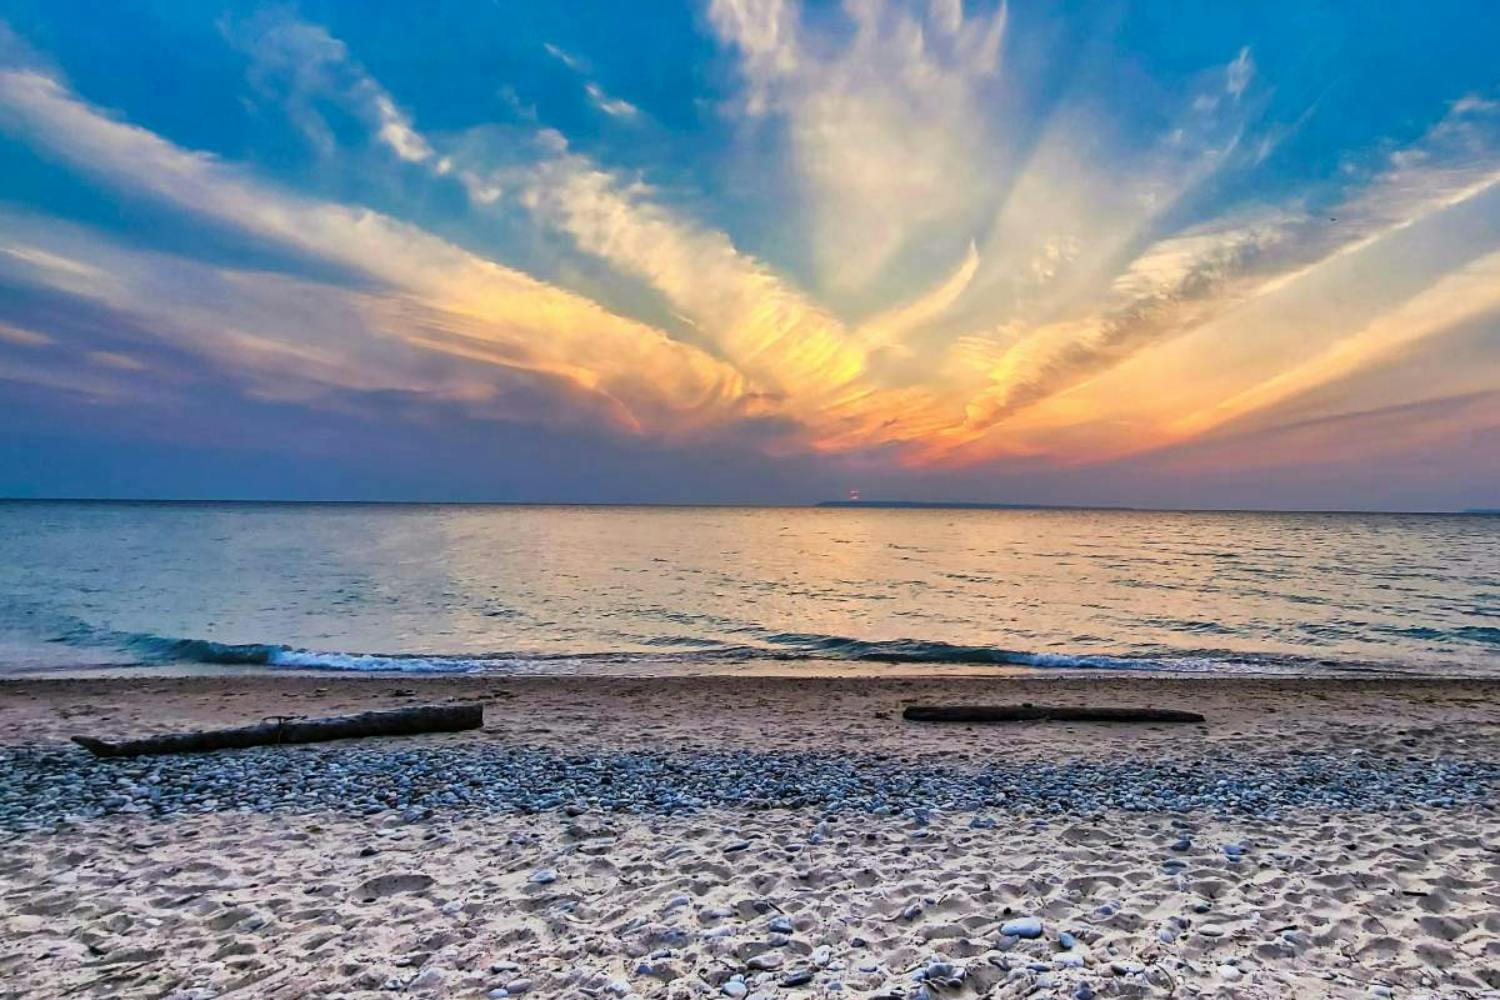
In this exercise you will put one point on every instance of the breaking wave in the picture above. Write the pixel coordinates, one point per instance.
(157, 650)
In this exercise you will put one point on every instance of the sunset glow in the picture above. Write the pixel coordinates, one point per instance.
(954, 244)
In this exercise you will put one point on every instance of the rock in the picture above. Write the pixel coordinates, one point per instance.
(1022, 927)
(734, 988)
(543, 876)
(428, 979)
(1229, 973)
(800, 977)
(1066, 940)
(518, 986)
(766, 961)
(944, 975)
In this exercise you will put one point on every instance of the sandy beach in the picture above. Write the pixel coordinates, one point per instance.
(753, 836)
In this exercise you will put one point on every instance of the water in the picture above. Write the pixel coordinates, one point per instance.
(646, 590)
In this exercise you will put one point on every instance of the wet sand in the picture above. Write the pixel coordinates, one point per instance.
(819, 713)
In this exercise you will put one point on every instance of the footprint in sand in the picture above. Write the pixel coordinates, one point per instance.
(391, 885)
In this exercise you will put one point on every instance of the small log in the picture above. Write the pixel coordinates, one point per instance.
(397, 722)
(1043, 713)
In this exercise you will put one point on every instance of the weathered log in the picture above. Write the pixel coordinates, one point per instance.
(396, 722)
(1043, 713)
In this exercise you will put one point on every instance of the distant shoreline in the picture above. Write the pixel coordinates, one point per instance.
(970, 505)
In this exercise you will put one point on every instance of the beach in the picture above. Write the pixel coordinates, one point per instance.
(757, 836)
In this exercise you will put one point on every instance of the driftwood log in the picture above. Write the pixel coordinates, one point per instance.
(396, 722)
(1043, 713)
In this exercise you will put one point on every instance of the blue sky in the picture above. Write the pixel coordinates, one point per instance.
(1173, 254)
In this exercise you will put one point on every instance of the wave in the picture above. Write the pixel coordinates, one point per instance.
(686, 654)
(159, 649)
(780, 646)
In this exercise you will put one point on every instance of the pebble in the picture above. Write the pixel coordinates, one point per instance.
(543, 876)
(426, 980)
(800, 977)
(44, 786)
(766, 961)
(1022, 927)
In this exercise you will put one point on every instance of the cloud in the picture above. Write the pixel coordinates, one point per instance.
(1454, 299)
(1370, 437)
(612, 106)
(25, 338)
(889, 328)
(795, 352)
(1237, 77)
(299, 64)
(664, 385)
(889, 132)
(114, 359)
(566, 58)
(1185, 280)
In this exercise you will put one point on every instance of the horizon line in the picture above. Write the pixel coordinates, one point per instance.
(872, 504)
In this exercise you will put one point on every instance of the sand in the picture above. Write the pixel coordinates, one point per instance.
(1310, 903)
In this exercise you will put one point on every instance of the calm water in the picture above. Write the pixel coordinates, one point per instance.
(712, 589)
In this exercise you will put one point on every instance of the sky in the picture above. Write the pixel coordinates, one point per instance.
(767, 251)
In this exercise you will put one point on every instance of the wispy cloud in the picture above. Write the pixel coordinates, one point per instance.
(612, 106)
(514, 319)
(1454, 299)
(615, 107)
(20, 335)
(889, 129)
(298, 64)
(1185, 280)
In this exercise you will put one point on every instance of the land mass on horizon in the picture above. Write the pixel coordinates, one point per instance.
(963, 505)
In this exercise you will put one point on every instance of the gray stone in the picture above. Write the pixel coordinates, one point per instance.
(1022, 927)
